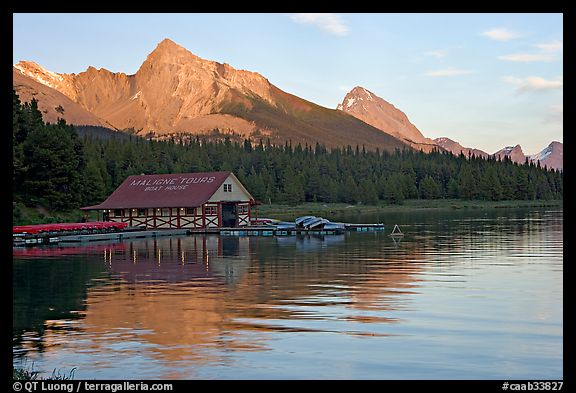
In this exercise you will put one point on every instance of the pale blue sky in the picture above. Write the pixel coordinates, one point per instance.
(484, 80)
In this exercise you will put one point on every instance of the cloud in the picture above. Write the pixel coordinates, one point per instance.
(528, 57)
(553, 46)
(436, 53)
(500, 34)
(448, 72)
(534, 83)
(330, 23)
(547, 53)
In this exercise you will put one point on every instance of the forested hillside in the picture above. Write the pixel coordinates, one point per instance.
(55, 167)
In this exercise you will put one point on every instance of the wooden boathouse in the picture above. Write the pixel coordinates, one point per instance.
(179, 201)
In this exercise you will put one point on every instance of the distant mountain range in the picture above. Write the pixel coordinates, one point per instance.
(551, 156)
(374, 110)
(175, 92)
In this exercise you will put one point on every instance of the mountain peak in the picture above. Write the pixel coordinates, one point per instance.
(359, 90)
(368, 107)
(168, 49)
(551, 156)
(168, 44)
(357, 94)
(515, 154)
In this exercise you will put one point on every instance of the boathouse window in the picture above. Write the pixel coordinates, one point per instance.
(189, 211)
(166, 212)
(227, 187)
(118, 212)
(210, 210)
(242, 209)
(141, 212)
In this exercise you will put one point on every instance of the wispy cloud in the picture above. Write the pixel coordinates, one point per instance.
(548, 52)
(448, 72)
(330, 23)
(500, 34)
(529, 57)
(552, 46)
(534, 83)
(436, 53)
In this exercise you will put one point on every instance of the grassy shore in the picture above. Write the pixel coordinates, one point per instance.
(23, 215)
(310, 208)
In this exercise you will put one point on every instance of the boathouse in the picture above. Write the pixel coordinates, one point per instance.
(183, 200)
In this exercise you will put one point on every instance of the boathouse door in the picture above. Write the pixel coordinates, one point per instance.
(229, 215)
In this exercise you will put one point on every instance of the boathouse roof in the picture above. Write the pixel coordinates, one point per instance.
(168, 190)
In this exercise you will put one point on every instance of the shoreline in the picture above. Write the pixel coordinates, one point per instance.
(38, 215)
(315, 208)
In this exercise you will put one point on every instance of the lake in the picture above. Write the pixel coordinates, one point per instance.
(465, 294)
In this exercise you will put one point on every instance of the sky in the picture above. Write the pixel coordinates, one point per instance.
(484, 80)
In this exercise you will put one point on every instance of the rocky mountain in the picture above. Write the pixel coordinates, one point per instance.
(515, 154)
(52, 103)
(456, 148)
(379, 113)
(175, 91)
(551, 156)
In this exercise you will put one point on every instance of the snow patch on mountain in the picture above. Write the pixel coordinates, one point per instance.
(39, 73)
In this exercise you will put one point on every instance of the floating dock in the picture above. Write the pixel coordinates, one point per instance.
(122, 235)
(51, 238)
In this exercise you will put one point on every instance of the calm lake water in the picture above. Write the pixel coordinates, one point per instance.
(474, 294)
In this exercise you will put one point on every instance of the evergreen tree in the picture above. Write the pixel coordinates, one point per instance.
(393, 190)
(348, 190)
(54, 166)
(452, 188)
(368, 193)
(467, 188)
(429, 188)
(293, 187)
(490, 185)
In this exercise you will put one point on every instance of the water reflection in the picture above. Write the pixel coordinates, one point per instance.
(169, 307)
(183, 294)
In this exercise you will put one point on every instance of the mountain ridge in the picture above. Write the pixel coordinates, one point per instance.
(175, 91)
